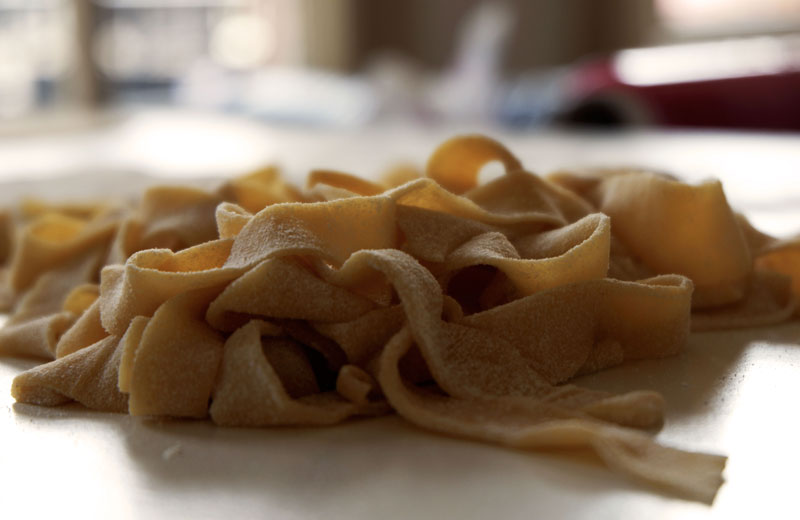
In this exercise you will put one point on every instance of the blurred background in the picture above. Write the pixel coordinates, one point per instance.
(107, 96)
(515, 63)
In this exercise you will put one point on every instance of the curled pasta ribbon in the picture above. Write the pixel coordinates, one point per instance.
(456, 163)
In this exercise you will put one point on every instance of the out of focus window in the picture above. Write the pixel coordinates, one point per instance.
(34, 51)
(144, 47)
(134, 50)
(728, 16)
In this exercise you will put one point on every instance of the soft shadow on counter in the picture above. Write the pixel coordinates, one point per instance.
(384, 459)
(357, 468)
(699, 384)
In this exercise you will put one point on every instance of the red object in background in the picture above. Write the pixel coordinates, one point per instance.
(753, 84)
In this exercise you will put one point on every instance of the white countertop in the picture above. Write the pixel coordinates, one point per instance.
(731, 392)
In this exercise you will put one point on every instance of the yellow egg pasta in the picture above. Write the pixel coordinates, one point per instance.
(6, 235)
(86, 331)
(466, 308)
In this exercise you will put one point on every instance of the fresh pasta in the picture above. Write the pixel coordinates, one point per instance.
(464, 308)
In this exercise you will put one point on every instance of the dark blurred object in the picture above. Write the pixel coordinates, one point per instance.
(749, 83)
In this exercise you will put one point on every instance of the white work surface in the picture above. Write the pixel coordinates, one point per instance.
(730, 392)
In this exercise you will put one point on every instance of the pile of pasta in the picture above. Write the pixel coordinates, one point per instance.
(464, 308)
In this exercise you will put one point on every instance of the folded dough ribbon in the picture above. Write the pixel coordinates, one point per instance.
(151, 277)
(172, 368)
(53, 239)
(587, 259)
(49, 307)
(533, 424)
(666, 226)
(88, 376)
(250, 392)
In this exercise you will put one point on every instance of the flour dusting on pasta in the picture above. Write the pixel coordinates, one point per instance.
(464, 308)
